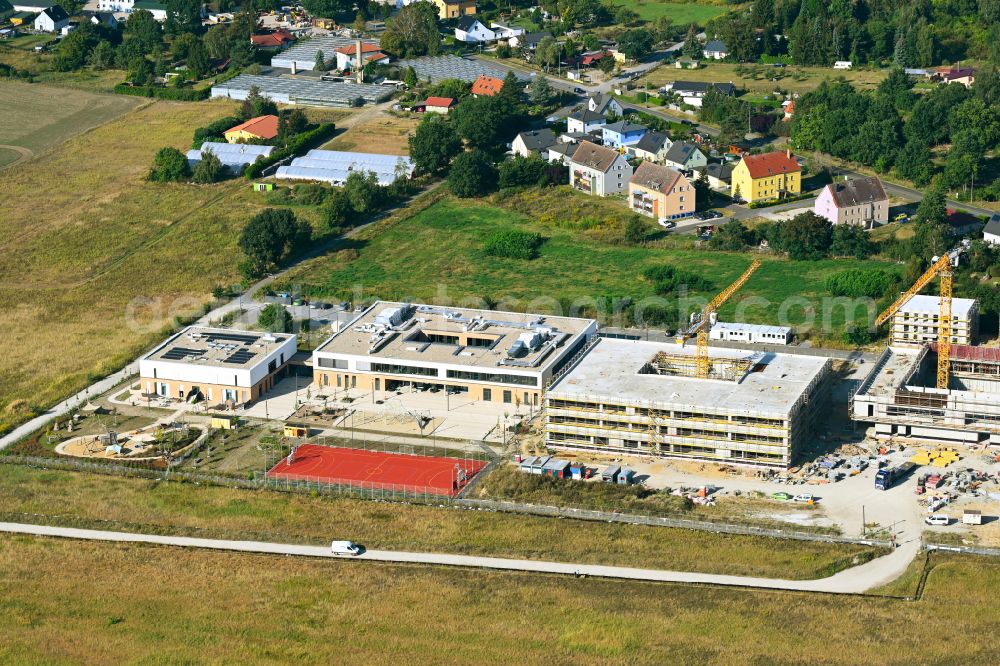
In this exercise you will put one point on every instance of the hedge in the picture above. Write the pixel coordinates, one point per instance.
(175, 94)
(302, 142)
(776, 202)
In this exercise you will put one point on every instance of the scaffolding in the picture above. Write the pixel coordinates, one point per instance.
(684, 365)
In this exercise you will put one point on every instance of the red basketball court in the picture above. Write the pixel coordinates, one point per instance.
(397, 472)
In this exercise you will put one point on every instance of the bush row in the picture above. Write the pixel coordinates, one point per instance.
(775, 202)
(176, 94)
(302, 142)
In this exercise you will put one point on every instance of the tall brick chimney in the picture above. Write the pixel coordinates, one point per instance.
(359, 63)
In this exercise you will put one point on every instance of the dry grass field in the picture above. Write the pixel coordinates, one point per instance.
(382, 133)
(80, 602)
(757, 78)
(38, 118)
(131, 504)
(20, 53)
(89, 246)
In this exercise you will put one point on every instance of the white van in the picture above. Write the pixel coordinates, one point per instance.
(345, 548)
(937, 519)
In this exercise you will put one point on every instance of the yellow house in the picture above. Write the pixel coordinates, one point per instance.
(450, 9)
(261, 127)
(768, 176)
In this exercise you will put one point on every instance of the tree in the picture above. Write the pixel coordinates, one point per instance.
(320, 63)
(635, 231)
(485, 122)
(703, 195)
(169, 165)
(541, 92)
(338, 211)
(410, 77)
(74, 49)
(849, 240)
(183, 16)
(208, 170)
(275, 318)
(145, 30)
(257, 105)
(731, 236)
(218, 41)
(197, 60)
(413, 31)
(434, 143)
(181, 45)
(270, 237)
(932, 208)
(807, 236)
(359, 22)
(472, 175)
(692, 47)
(522, 171)
(363, 191)
(327, 8)
(914, 162)
(103, 55)
(636, 44)
(140, 72)
(241, 54)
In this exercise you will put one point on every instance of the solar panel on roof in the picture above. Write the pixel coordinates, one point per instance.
(240, 357)
(178, 353)
(232, 337)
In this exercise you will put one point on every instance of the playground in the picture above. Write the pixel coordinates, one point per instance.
(396, 472)
(147, 443)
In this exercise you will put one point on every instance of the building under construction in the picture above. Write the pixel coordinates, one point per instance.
(901, 397)
(649, 398)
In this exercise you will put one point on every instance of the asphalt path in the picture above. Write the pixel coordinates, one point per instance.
(851, 581)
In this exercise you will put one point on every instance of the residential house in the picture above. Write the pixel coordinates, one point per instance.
(472, 31)
(69, 27)
(605, 105)
(370, 53)
(486, 86)
(453, 9)
(598, 170)
(693, 92)
(768, 176)
(31, 6)
(684, 156)
(592, 58)
(860, 201)
(527, 40)
(960, 223)
(653, 147)
(585, 121)
(278, 39)
(660, 192)
(157, 9)
(561, 151)
(622, 134)
(991, 232)
(720, 175)
(261, 127)
(716, 50)
(51, 19)
(534, 142)
(686, 63)
(437, 105)
(963, 75)
(104, 18)
(505, 32)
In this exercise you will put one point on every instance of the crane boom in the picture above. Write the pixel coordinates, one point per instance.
(700, 328)
(944, 332)
(941, 264)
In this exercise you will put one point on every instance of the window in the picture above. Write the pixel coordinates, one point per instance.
(392, 369)
(333, 363)
(326, 379)
(378, 384)
(507, 398)
(487, 394)
(354, 381)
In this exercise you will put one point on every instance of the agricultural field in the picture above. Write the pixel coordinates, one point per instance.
(437, 256)
(20, 54)
(104, 603)
(758, 78)
(680, 13)
(86, 500)
(93, 271)
(381, 133)
(38, 118)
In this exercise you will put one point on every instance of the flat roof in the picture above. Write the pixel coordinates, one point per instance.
(418, 332)
(752, 328)
(218, 347)
(924, 304)
(611, 370)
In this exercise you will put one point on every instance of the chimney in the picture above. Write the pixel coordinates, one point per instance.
(293, 66)
(788, 153)
(359, 62)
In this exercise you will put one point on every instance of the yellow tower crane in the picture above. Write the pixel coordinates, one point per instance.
(701, 326)
(941, 269)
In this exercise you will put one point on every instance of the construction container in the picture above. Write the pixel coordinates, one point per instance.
(626, 476)
(296, 431)
(972, 517)
(610, 474)
(557, 469)
(538, 465)
(223, 423)
(576, 473)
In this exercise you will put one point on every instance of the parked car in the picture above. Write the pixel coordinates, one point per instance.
(781, 496)
(711, 215)
(667, 224)
(804, 497)
(579, 91)
(902, 218)
(937, 519)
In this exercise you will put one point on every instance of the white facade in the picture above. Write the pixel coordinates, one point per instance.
(600, 183)
(474, 33)
(753, 333)
(991, 232)
(502, 31)
(45, 23)
(917, 322)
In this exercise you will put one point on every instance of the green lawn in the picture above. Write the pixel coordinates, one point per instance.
(681, 13)
(436, 256)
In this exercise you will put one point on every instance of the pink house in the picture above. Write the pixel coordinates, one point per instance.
(861, 201)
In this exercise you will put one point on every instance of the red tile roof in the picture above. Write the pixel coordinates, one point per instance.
(265, 127)
(771, 164)
(487, 86)
(365, 48)
(276, 38)
(440, 101)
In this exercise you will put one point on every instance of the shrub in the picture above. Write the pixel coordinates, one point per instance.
(858, 282)
(666, 279)
(522, 171)
(213, 131)
(472, 175)
(859, 335)
(169, 165)
(209, 169)
(513, 244)
(176, 94)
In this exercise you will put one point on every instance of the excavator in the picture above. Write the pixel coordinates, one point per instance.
(941, 268)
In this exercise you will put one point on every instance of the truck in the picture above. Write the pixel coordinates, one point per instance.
(887, 478)
(345, 548)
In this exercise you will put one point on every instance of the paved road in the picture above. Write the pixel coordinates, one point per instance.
(852, 581)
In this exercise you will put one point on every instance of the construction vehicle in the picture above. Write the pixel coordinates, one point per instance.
(887, 478)
(941, 268)
(702, 323)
